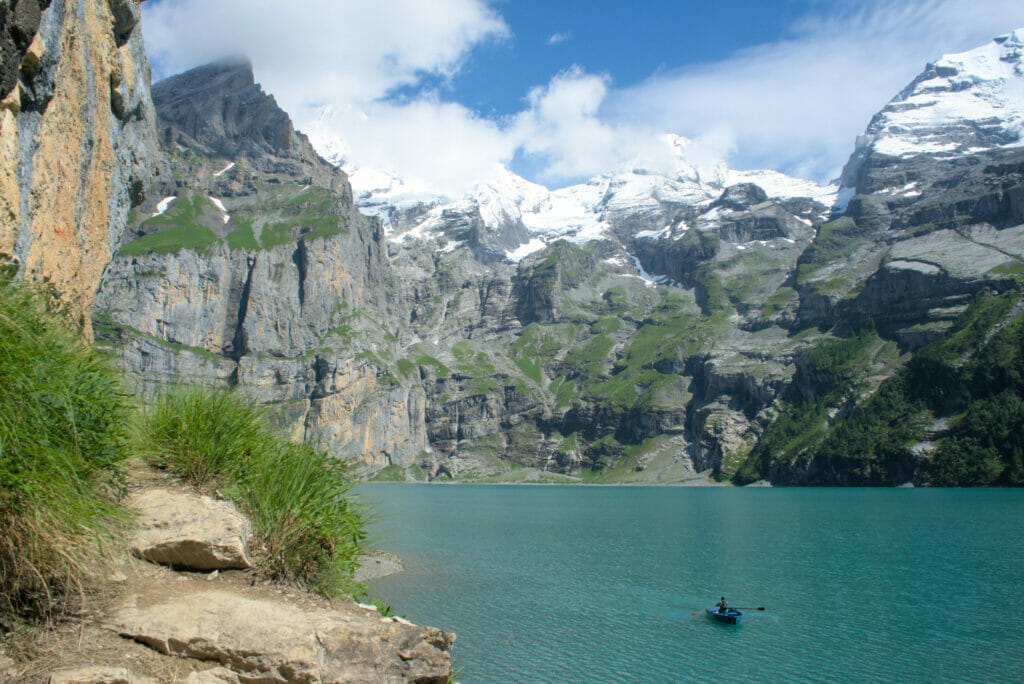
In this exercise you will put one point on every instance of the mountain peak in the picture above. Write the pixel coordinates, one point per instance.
(221, 111)
(231, 73)
(220, 107)
(963, 103)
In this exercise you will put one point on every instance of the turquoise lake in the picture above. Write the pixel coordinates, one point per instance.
(598, 584)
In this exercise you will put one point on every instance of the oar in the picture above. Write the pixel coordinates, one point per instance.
(736, 607)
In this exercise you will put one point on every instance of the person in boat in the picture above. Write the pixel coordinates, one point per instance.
(723, 607)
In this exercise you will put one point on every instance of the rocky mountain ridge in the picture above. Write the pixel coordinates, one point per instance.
(638, 327)
(521, 217)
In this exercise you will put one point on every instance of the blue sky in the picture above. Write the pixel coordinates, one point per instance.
(629, 41)
(444, 92)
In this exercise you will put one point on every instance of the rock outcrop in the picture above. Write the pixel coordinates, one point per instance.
(219, 111)
(268, 641)
(76, 138)
(256, 270)
(934, 194)
(185, 530)
(178, 622)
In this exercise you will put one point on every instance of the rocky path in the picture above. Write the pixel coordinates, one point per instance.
(197, 612)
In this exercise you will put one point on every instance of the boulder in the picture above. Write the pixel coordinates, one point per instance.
(189, 531)
(276, 641)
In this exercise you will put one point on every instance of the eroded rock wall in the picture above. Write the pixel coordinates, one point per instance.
(263, 276)
(76, 138)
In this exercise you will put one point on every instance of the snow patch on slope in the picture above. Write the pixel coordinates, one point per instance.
(779, 185)
(224, 170)
(639, 201)
(163, 205)
(220, 205)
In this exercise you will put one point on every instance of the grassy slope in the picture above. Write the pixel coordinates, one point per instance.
(63, 413)
(975, 380)
(281, 215)
(64, 434)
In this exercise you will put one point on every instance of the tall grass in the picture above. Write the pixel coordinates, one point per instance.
(298, 498)
(203, 435)
(63, 417)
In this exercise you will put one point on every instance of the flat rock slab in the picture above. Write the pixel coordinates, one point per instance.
(271, 640)
(218, 675)
(99, 675)
(185, 530)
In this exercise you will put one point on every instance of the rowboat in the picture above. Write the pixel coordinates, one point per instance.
(729, 617)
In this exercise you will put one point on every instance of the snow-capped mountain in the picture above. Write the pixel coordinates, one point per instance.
(661, 349)
(961, 104)
(523, 217)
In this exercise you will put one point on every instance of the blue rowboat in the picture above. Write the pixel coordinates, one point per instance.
(729, 617)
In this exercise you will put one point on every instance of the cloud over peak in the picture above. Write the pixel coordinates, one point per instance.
(795, 104)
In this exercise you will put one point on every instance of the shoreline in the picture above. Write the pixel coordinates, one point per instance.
(695, 482)
(376, 564)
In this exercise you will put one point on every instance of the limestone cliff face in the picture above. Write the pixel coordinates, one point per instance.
(76, 138)
(254, 269)
(920, 238)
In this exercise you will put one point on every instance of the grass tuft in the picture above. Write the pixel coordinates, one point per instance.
(298, 497)
(63, 414)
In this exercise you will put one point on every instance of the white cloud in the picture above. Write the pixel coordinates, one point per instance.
(361, 49)
(561, 126)
(349, 56)
(556, 38)
(439, 145)
(794, 105)
(798, 104)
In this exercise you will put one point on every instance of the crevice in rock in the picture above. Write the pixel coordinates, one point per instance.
(299, 259)
(237, 350)
(321, 370)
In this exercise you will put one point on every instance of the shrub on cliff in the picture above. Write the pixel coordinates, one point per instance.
(297, 497)
(63, 415)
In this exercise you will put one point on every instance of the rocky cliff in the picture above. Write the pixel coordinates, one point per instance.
(250, 266)
(642, 326)
(76, 138)
(929, 252)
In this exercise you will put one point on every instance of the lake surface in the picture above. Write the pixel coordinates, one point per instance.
(588, 584)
